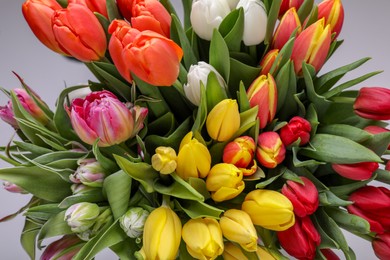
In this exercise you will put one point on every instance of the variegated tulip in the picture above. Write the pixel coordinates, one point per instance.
(263, 94)
(11, 187)
(240, 152)
(288, 24)
(164, 160)
(297, 128)
(96, 6)
(268, 61)
(373, 103)
(356, 171)
(81, 216)
(62, 249)
(90, 173)
(333, 12)
(133, 221)
(287, 4)
(270, 149)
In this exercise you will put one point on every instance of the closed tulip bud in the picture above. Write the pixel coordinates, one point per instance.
(373, 103)
(90, 173)
(356, 171)
(139, 114)
(372, 204)
(224, 182)
(270, 149)
(374, 129)
(301, 240)
(79, 32)
(207, 15)
(101, 115)
(304, 197)
(255, 21)
(96, 6)
(193, 159)
(203, 238)
(11, 187)
(62, 249)
(311, 46)
(329, 254)
(223, 121)
(79, 188)
(7, 115)
(133, 221)
(333, 12)
(297, 128)
(38, 15)
(288, 24)
(162, 234)
(240, 152)
(269, 209)
(237, 226)
(381, 246)
(81, 216)
(288, 4)
(268, 61)
(164, 160)
(387, 166)
(198, 73)
(263, 94)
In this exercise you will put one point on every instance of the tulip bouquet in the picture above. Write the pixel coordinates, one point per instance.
(213, 137)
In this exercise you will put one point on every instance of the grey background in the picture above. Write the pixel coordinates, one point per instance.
(366, 34)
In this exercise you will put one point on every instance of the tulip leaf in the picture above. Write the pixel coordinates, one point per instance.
(355, 134)
(348, 221)
(177, 101)
(55, 226)
(346, 189)
(219, 55)
(241, 72)
(298, 163)
(200, 186)
(382, 176)
(328, 198)
(28, 237)
(305, 9)
(93, 196)
(286, 83)
(201, 113)
(308, 13)
(279, 172)
(198, 209)
(183, 252)
(107, 164)
(232, 29)
(338, 149)
(243, 98)
(112, 10)
(43, 212)
(215, 93)
(284, 56)
(34, 149)
(378, 143)
(273, 13)
(125, 249)
(326, 240)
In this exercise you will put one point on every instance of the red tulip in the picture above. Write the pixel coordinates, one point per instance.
(79, 32)
(372, 204)
(288, 24)
(356, 171)
(268, 61)
(387, 166)
(301, 240)
(125, 7)
(373, 103)
(38, 15)
(96, 6)
(287, 4)
(304, 197)
(333, 12)
(373, 129)
(270, 149)
(381, 246)
(329, 254)
(297, 128)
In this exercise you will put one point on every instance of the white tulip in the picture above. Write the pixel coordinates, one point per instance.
(207, 15)
(255, 24)
(232, 4)
(199, 73)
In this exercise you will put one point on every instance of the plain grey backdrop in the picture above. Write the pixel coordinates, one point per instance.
(366, 34)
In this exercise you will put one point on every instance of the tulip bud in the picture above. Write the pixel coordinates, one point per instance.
(381, 246)
(270, 149)
(288, 24)
(304, 197)
(356, 171)
(333, 12)
(89, 173)
(96, 6)
(79, 32)
(237, 226)
(199, 73)
(164, 160)
(62, 249)
(38, 15)
(373, 103)
(133, 221)
(79, 188)
(240, 152)
(223, 121)
(288, 4)
(162, 234)
(301, 240)
(139, 114)
(297, 128)
(10, 187)
(268, 61)
(372, 204)
(207, 15)
(7, 115)
(387, 166)
(203, 238)
(255, 21)
(193, 160)
(329, 254)
(311, 46)
(374, 129)
(101, 115)
(224, 182)
(263, 94)
(81, 216)
(269, 209)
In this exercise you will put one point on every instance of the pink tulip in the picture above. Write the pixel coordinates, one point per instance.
(356, 171)
(288, 24)
(96, 6)
(270, 149)
(333, 12)
(373, 103)
(56, 250)
(11, 187)
(7, 115)
(297, 128)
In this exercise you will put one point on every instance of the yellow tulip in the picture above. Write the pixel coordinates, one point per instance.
(164, 160)
(263, 254)
(232, 252)
(223, 120)
(269, 209)
(162, 234)
(194, 159)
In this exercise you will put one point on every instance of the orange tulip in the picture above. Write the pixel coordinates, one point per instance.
(333, 12)
(288, 24)
(96, 6)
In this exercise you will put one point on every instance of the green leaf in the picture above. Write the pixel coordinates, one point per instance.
(219, 55)
(232, 29)
(305, 9)
(43, 212)
(283, 57)
(378, 143)
(382, 176)
(201, 113)
(299, 163)
(326, 240)
(178, 188)
(279, 171)
(197, 209)
(93, 196)
(34, 149)
(273, 13)
(345, 190)
(328, 198)
(348, 221)
(355, 134)
(286, 83)
(112, 10)
(55, 226)
(215, 93)
(240, 72)
(28, 237)
(107, 164)
(125, 249)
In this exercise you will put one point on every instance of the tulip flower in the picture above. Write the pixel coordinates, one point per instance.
(96, 6)
(297, 128)
(193, 159)
(240, 152)
(81, 216)
(101, 115)
(269, 209)
(381, 246)
(387, 166)
(223, 121)
(199, 73)
(237, 226)
(312, 46)
(203, 238)
(62, 249)
(125, 8)
(372, 204)
(233, 252)
(270, 149)
(133, 221)
(139, 114)
(7, 115)
(301, 240)
(255, 21)
(329, 254)
(304, 197)
(38, 15)
(162, 234)
(356, 171)
(207, 15)
(224, 182)
(373, 103)
(333, 12)
(263, 94)
(288, 4)
(90, 173)
(288, 24)
(164, 160)
(268, 61)
(374, 129)
(11, 187)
